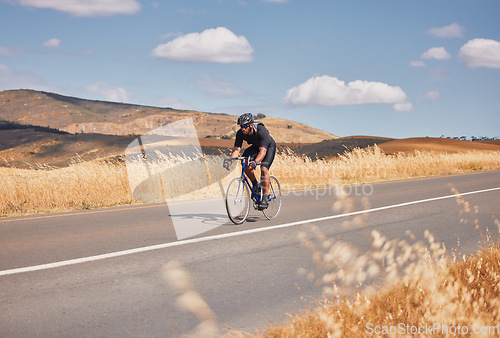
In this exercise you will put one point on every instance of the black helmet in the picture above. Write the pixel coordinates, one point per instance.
(246, 118)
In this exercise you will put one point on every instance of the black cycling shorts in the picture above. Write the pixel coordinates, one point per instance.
(253, 151)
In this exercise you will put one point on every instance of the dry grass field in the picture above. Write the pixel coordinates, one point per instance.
(372, 165)
(399, 288)
(80, 186)
(440, 298)
(437, 145)
(421, 288)
(98, 183)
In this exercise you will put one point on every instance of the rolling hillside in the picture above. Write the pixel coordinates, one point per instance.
(437, 145)
(39, 127)
(75, 115)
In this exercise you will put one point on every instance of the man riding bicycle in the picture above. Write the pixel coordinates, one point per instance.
(262, 150)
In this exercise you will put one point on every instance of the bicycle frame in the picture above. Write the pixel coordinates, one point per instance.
(238, 200)
(244, 178)
(244, 164)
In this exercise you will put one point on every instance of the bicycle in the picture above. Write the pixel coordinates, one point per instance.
(240, 191)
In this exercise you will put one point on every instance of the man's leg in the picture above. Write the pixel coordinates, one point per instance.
(250, 174)
(265, 181)
(265, 177)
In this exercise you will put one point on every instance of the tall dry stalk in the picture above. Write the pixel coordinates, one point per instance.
(189, 300)
(82, 185)
(103, 183)
(371, 165)
(425, 290)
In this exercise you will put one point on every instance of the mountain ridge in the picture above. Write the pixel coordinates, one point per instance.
(76, 115)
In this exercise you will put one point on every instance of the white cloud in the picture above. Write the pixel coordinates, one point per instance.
(417, 64)
(171, 35)
(14, 79)
(87, 7)
(438, 53)
(114, 94)
(217, 87)
(192, 11)
(481, 53)
(52, 43)
(433, 95)
(452, 31)
(212, 45)
(403, 106)
(440, 74)
(4, 51)
(330, 91)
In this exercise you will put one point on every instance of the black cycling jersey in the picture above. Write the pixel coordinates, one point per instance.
(260, 137)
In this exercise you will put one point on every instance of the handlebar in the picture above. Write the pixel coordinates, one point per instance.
(239, 158)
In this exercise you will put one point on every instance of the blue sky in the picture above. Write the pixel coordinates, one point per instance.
(396, 68)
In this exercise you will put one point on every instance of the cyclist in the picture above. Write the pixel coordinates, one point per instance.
(262, 150)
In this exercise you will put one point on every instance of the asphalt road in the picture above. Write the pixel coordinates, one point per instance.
(98, 273)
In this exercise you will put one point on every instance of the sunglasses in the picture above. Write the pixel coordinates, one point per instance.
(245, 126)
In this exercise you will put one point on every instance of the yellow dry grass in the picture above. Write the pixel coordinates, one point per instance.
(80, 186)
(103, 183)
(444, 300)
(372, 165)
(399, 288)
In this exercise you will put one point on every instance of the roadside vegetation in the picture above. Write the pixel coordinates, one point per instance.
(402, 287)
(82, 185)
(399, 288)
(439, 298)
(101, 183)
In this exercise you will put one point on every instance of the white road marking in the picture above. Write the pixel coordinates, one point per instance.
(221, 236)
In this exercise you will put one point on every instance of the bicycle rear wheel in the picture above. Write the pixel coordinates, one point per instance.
(237, 200)
(274, 199)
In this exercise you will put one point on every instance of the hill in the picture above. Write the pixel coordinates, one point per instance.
(75, 115)
(436, 145)
(26, 146)
(335, 147)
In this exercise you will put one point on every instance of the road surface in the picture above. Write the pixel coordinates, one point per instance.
(98, 273)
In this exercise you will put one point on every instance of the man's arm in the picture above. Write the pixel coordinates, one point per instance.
(236, 152)
(261, 155)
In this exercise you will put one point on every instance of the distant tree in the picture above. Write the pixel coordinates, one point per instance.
(472, 138)
(259, 116)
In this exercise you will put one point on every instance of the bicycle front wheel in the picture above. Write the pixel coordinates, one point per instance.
(274, 199)
(237, 200)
